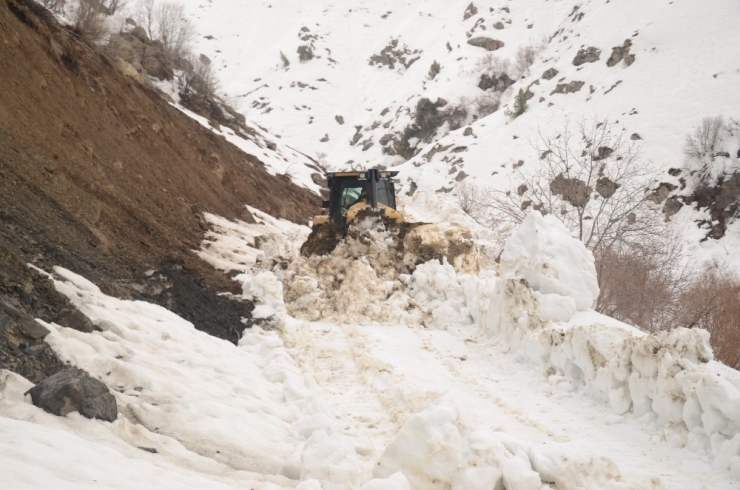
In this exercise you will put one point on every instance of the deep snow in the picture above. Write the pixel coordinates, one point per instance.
(525, 388)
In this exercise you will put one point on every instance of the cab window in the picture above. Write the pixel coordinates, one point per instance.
(351, 191)
(385, 194)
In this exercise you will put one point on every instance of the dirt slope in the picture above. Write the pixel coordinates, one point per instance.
(100, 175)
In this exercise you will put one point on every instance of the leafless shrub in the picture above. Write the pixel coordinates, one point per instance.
(87, 21)
(487, 103)
(198, 82)
(468, 196)
(706, 140)
(54, 5)
(525, 57)
(642, 283)
(712, 302)
(493, 66)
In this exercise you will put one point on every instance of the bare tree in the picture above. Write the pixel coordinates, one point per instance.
(114, 6)
(87, 20)
(525, 57)
(643, 284)
(591, 178)
(173, 29)
(712, 302)
(145, 17)
(710, 147)
(54, 5)
(706, 140)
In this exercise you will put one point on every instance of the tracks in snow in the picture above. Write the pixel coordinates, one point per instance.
(375, 377)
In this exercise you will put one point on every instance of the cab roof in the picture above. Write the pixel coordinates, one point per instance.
(356, 173)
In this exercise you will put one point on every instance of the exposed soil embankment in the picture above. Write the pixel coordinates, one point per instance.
(100, 175)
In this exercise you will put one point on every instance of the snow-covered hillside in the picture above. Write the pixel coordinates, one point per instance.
(653, 70)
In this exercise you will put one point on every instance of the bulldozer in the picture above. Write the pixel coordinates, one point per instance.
(352, 192)
(360, 194)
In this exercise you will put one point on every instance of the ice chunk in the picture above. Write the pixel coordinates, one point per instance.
(396, 481)
(542, 251)
(428, 449)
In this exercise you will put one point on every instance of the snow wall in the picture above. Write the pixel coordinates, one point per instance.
(540, 305)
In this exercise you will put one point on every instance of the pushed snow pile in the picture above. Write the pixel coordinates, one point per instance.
(437, 287)
(440, 241)
(542, 251)
(266, 291)
(363, 279)
(665, 377)
(436, 450)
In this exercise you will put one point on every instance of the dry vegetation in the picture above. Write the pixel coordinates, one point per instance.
(593, 180)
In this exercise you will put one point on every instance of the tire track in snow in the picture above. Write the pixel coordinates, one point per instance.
(645, 460)
(357, 386)
(482, 384)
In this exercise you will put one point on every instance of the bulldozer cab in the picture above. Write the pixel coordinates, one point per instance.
(374, 188)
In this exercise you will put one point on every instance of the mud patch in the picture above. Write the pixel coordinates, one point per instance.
(323, 239)
(220, 315)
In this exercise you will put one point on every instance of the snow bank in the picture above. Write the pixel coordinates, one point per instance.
(666, 377)
(248, 407)
(436, 450)
(542, 251)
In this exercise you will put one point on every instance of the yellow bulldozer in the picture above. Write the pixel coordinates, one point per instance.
(371, 193)
(352, 192)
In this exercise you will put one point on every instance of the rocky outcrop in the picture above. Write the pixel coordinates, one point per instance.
(74, 390)
(22, 346)
(486, 43)
(393, 55)
(549, 74)
(568, 88)
(620, 53)
(588, 55)
(470, 11)
(74, 319)
(498, 83)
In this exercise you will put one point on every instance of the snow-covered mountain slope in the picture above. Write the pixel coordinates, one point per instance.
(684, 68)
(653, 70)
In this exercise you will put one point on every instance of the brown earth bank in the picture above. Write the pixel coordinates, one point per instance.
(100, 175)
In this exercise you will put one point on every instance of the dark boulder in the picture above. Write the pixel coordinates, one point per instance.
(74, 319)
(497, 83)
(588, 55)
(549, 74)
(74, 390)
(486, 43)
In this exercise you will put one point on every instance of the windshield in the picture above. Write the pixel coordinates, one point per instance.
(351, 193)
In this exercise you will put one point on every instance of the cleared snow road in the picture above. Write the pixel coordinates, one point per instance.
(377, 376)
